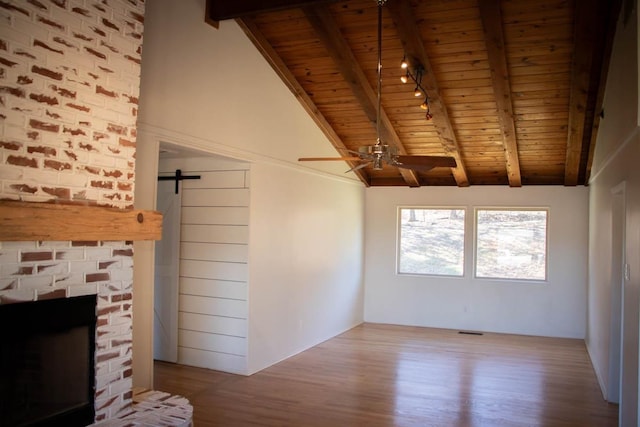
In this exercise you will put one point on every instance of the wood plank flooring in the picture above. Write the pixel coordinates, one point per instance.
(384, 375)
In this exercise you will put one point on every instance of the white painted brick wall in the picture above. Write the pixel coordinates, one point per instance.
(69, 81)
(69, 84)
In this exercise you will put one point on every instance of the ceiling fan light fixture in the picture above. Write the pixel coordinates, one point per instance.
(377, 163)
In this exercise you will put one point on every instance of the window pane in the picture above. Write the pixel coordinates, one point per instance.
(431, 241)
(511, 244)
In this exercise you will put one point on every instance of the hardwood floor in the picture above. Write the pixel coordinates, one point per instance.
(383, 375)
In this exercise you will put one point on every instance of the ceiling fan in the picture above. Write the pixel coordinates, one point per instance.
(378, 154)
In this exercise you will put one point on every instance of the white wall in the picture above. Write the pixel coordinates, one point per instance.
(616, 162)
(214, 87)
(554, 308)
(305, 262)
(214, 251)
(211, 90)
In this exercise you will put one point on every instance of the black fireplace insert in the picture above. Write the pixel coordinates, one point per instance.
(47, 362)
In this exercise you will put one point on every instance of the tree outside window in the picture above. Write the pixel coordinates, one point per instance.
(431, 241)
(511, 244)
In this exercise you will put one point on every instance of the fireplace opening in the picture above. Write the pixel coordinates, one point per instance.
(47, 362)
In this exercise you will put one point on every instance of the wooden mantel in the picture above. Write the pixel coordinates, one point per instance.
(24, 221)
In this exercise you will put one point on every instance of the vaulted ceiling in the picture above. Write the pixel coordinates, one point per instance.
(514, 87)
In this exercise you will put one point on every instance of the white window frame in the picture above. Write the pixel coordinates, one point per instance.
(513, 209)
(399, 242)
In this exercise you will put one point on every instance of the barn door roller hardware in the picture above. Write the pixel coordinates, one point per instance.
(177, 178)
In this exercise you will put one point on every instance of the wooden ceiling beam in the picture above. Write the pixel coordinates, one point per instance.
(491, 16)
(404, 20)
(609, 33)
(219, 10)
(582, 63)
(329, 34)
(278, 65)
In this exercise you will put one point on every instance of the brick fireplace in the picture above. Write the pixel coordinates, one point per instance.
(69, 84)
(45, 270)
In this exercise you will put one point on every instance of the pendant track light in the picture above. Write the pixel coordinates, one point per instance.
(416, 76)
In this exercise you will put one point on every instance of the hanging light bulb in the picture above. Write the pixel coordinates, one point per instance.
(405, 78)
(424, 105)
(417, 92)
(404, 64)
(428, 116)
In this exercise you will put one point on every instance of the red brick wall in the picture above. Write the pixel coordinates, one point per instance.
(69, 84)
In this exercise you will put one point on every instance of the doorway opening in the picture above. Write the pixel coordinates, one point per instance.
(166, 293)
(201, 272)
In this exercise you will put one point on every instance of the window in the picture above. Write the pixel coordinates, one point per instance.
(511, 244)
(431, 241)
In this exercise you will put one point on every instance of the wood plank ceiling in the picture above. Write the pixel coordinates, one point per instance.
(514, 87)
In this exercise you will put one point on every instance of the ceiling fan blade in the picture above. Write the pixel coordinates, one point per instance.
(358, 167)
(327, 159)
(417, 168)
(348, 150)
(425, 161)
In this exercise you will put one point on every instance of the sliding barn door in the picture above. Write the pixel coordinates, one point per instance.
(165, 318)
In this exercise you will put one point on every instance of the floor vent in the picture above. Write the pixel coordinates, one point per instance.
(470, 333)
